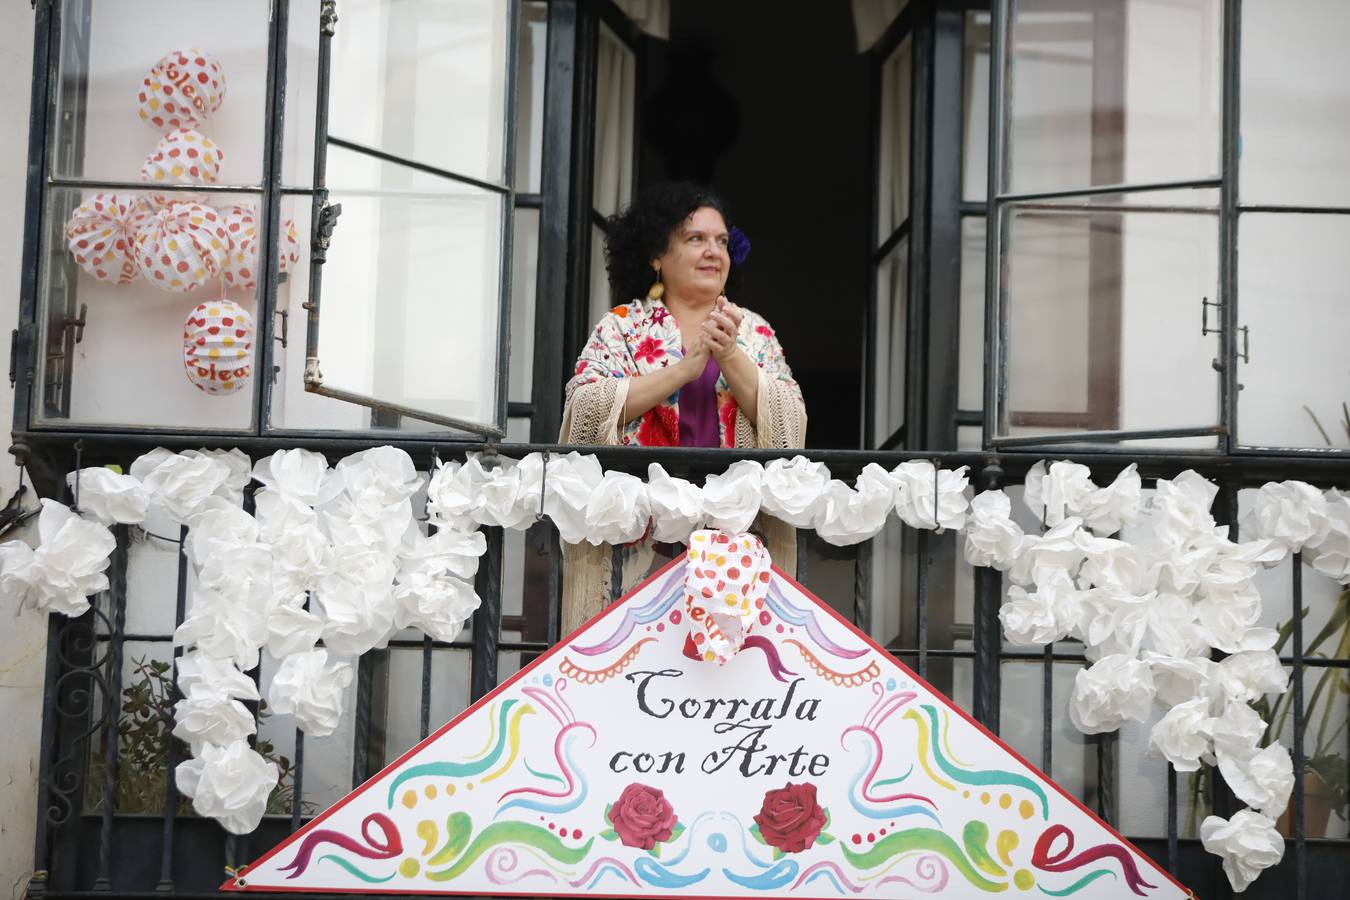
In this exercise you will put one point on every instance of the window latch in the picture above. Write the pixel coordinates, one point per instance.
(323, 236)
(1245, 354)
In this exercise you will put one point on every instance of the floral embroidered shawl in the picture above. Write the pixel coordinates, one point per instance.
(642, 336)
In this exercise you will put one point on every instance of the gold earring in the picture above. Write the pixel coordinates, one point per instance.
(657, 290)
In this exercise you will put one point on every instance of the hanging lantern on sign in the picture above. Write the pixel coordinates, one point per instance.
(101, 235)
(182, 247)
(218, 347)
(241, 264)
(183, 90)
(182, 157)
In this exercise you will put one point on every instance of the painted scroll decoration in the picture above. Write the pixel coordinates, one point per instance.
(811, 764)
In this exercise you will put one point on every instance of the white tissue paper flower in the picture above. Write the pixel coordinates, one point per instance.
(310, 688)
(19, 573)
(618, 509)
(1331, 556)
(356, 616)
(1048, 614)
(1178, 680)
(499, 495)
(67, 566)
(1263, 780)
(1228, 622)
(1235, 732)
(1058, 548)
(731, 500)
(1113, 691)
(1290, 512)
(1182, 735)
(848, 515)
(221, 626)
(1180, 509)
(474, 493)
(1058, 492)
(571, 479)
(229, 784)
(240, 469)
(1109, 509)
(207, 717)
(298, 474)
(180, 482)
(1249, 843)
(445, 551)
(199, 672)
(380, 476)
(450, 499)
(1231, 566)
(1114, 622)
(992, 538)
(677, 506)
(792, 489)
(110, 498)
(291, 628)
(928, 499)
(1109, 563)
(1172, 627)
(1250, 675)
(436, 603)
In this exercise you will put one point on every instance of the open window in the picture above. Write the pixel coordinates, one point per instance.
(1104, 224)
(408, 308)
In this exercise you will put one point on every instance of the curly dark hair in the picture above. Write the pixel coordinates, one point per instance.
(641, 232)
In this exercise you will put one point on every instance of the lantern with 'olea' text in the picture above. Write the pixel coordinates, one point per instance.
(218, 346)
(182, 247)
(182, 90)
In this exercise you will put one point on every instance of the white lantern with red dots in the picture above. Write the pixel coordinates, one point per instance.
(241, 262)
(101, 235)
(218, 347)
(183, 90)
(182, 247)
(241, 266)
(182, 157)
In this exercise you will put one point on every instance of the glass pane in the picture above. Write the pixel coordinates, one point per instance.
(411, 290)
(531, 51)
(136, 277)
(302, 81)
(1125, 92)
(134, 71)
(1292, 272)
(1295, 118)
(1103, 314)
(887, 581)
(615, 80)
(893, 177)
(975, 133)
(888, 373)
(525, 249)
(970, 384)
(424, 80)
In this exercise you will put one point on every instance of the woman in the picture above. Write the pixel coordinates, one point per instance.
(675, 363)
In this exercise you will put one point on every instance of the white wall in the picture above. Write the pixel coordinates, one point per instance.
(23, 638)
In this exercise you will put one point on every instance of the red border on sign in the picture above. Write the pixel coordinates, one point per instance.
(233, 884)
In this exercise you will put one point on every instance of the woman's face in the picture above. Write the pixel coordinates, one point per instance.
(696, 262)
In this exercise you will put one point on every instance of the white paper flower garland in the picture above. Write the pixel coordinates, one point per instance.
(336, 555)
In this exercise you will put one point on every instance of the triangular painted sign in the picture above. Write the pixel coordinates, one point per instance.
(811, 765)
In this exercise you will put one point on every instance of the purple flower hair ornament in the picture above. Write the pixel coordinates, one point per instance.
(738, 245)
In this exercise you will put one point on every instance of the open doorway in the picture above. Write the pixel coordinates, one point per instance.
(771, 109)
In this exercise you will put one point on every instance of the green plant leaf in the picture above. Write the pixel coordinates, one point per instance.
(824, 838)
(754, 833)
(656, 850)
(609, 834)
(675, 832)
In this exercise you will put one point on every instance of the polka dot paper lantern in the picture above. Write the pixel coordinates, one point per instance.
(241, 262)
(218, 347)
(241, 266)
(182, 247)
(182, 157)
(101, 235)
(183, 90)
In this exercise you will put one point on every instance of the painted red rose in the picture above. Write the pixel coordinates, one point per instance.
(790, 818)
(642, 816)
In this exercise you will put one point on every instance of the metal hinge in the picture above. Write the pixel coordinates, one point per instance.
(328, 17)
(13, 357)
(323, 235)
(1245, 355)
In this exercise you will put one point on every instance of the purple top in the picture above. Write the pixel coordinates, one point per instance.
(698, 409)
